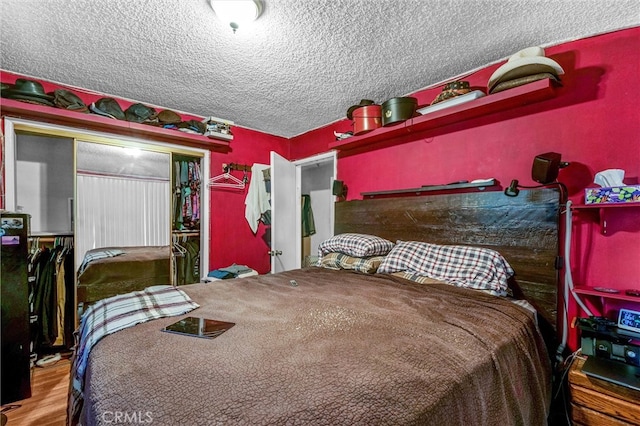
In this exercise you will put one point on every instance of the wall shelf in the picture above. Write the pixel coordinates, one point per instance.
(601, 210)
(429, 188)
(95, 122)
(590, 291)
(508, 99)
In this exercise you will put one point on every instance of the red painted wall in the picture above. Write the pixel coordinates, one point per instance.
(232, 241)
(594, 122)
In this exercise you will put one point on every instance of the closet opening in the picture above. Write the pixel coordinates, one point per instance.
(44, 190)
(187, 208)
(87, 191)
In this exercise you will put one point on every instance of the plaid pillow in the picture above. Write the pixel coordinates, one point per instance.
(337, 261)
(356, 245)
(420, 279)
(423, 279)
(462, 266)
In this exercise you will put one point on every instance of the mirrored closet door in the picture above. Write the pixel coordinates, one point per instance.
(123, 197)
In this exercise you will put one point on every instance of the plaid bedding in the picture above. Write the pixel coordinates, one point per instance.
(356, 245)
(337, 261)
(421, 279)
(463, 266)
(117, 313)
(95, 255)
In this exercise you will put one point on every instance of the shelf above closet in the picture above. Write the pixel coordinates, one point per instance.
(13, 108)
(502, 101)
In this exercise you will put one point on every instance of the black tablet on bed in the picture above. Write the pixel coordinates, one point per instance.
(199, 327)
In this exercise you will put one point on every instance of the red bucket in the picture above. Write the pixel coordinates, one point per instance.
(366, 119)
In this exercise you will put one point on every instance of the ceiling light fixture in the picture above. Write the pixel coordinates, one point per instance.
(237, 12)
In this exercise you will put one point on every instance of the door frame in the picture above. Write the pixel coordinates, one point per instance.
(326, 157)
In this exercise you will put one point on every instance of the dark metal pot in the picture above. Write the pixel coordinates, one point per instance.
(397, 110)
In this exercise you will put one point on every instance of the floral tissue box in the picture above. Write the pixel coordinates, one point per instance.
(612, 195)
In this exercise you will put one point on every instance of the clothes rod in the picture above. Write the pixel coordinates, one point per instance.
(43, 240)
(51, 234)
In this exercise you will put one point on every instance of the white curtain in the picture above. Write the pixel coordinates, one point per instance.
(119, 208)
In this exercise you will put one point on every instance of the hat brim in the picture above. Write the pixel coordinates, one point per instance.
(165, 117)
(29, 97)
(524, 67)
(510, 84)
(93, 108)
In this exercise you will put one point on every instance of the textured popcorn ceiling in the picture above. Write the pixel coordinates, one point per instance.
(299, 66)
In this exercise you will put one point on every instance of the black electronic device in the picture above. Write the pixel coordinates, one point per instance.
(339, 189)
(603, 338)
(199, 327)
(629, 320)
(545, 167)
(615, 372)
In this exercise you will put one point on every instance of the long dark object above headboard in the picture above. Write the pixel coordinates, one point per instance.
(524, 229)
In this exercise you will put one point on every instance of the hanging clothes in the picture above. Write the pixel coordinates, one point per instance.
(192, 261)
(308, 224)
(51, 275)
(61, 297)
(45, 302)
(186, 200)
(266, 173)
(258, 200)
(187, 261)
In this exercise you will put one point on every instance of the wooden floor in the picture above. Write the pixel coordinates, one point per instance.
(48, 403)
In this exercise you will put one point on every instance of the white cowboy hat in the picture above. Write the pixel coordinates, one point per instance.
(523, 63)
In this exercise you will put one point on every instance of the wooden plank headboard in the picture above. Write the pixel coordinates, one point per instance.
(524, 229)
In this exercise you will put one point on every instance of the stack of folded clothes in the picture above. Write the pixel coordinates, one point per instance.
(233, 271)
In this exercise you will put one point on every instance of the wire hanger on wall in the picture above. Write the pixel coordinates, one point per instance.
(226, 180)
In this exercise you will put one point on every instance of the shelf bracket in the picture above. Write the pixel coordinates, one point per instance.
(603, 221)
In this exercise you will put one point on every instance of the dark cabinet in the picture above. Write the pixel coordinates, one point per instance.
(14, 289)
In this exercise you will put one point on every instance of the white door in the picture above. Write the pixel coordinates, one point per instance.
(285, 211)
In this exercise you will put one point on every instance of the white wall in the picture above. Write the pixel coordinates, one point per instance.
(44, 181)
(316, 181)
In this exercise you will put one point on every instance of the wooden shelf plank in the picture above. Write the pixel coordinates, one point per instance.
(430, 188)
(590, 291)
(95, 122)
(601, 209)
(512, 98)
(605, 205)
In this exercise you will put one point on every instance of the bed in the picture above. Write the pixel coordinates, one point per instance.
(348, 346)
(108, 271)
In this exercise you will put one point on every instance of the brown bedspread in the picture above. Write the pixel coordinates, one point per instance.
(136, 269)
(338, 348)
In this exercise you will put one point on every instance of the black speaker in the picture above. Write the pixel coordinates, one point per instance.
(339, 188)
(545, 167)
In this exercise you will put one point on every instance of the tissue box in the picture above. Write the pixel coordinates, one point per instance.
(612, 195)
